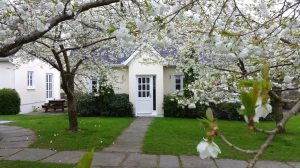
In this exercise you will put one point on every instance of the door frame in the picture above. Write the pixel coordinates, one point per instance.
(151, 92)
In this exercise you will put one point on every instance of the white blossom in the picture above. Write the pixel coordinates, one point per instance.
(192, 106)
(207, 149)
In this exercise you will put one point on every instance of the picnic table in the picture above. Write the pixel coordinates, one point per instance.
(54, 104)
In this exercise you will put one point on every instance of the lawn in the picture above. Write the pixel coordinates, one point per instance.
(22, 164)
(181, 136)
(51, 131)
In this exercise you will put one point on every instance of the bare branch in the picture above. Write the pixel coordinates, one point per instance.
(212, 28)
(234, 147)
(264, 131)
(74, 48)
(20, 40)
(275, 96)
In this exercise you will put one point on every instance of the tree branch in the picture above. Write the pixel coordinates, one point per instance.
(74, 48)
(275, 96)
(20, 40)
(264, 131)
(234, 147)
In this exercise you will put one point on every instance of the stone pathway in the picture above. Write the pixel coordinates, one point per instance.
(124, 152)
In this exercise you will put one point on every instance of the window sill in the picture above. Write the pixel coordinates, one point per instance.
(30, 88)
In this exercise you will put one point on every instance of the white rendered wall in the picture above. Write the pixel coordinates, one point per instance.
(124, 86)
(7, 75)
(136, 68)
(36, 95)
(169, 83)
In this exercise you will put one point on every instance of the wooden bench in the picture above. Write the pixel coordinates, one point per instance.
(54, 104)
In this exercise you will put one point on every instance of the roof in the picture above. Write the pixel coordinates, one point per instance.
(123, 58)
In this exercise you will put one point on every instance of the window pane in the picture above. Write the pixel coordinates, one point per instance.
(148, 87)
(139, 80)
(144, 88)
(148, 80)
(148, 94)
(140, 95)
(144, 94)
(177, 81)
(177, 87)
(140, 87)
(143, 80)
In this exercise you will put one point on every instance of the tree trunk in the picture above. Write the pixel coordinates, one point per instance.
(73, 124)
(277, 108)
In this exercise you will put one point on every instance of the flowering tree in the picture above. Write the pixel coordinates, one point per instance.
(22, 22)
(236, 40)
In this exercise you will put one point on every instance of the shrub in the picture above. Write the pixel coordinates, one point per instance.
(9, 102)
(106, 96)
(228, 111)
(120, 107)
(172, 109)
(85, 105)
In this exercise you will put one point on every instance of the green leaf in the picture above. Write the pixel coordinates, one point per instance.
(86, 160)
(265, 71)
(209, 115)
(205, 123)
(242, 111)
(146, 3)
(245, 83)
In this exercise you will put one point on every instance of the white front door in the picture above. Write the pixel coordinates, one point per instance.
(49, 87)
(144, 90)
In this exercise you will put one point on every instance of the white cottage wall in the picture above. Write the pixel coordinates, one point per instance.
(7, 75)
(169, 79)
(36, 95)
(122, 74)
(137, 68)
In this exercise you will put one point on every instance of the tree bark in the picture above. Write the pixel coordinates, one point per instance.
(73, 124)
(277, 108)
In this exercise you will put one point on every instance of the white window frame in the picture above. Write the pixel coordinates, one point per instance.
(50, 85)
(30, 80)
(91, 83)
(181, 81)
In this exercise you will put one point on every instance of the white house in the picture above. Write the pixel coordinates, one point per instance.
(36, 82)
(146, 84)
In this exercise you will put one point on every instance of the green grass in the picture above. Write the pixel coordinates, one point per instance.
(22, 164)
(52, 131)
(181, 136)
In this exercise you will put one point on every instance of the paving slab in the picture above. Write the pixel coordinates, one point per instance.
(14, 145)
(27, 133)
(294, 164)
(5, 121)
(65, 157)
(271, 164)
(135, 140)
(140, 160)
(5, 127)
(229, 163)
(21, 138)
(131, 138)
(124, 147)
(196, 161)
(31, 155)
(8, 152)
(168, 161)
(133, 134)
(108, 159)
